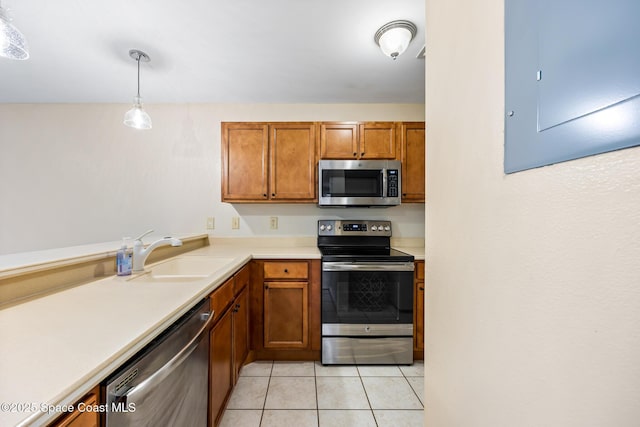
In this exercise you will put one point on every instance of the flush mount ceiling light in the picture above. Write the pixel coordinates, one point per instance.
(136, 117)
(394, 37)
(12, 43)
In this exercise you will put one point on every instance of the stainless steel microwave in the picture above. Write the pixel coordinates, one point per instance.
(367, 183)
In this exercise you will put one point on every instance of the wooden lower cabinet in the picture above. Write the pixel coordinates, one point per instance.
(286, 315)
(83, 418)
(285, 309)
(229, 340)
(240, 331)
(418, 310)
(220, 366)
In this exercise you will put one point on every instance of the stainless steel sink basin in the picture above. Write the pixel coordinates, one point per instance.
(184, 269)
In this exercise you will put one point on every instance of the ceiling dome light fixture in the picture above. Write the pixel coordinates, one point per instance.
(12, 43)
(394, 37)
(136, 117)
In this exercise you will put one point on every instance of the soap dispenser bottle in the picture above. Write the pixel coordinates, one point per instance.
(124, 259)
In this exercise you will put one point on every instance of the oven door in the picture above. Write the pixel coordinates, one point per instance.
(376, 295)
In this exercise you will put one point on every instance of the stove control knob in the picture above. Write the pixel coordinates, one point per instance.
(387, 228)
(374, 228)
(322, 227)
(329, 227)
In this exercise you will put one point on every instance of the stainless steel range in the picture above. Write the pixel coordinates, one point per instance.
(367, 294)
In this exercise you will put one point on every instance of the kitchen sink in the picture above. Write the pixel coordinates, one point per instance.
(181, 269)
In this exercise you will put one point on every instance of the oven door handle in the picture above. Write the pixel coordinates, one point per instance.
(367, 266)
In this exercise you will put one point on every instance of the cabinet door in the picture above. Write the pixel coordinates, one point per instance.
(244, 161)
(220, 368)
(339, 140)
(78, 418)
(240, 331)
(418, 334)
(292, 162)
(286, 315)
(413, 161)
(377, 140)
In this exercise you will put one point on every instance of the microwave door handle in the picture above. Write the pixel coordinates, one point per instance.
(383, 190)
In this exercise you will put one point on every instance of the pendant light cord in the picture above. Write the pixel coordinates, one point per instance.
(138, 75)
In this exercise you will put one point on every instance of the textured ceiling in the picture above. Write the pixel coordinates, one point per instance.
(234, 51)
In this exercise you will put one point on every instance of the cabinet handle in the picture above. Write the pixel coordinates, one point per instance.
(362, 154)
(237, 305)
(286, 271)
(273, 194)
(422, 288)
(404, 194)
(266, 286)
(264, 195)
(355, 154)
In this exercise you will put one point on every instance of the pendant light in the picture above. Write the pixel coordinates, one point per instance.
(12, 43)
(136, 117)
(395, 36)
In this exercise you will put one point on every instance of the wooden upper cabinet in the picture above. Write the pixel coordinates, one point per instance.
(269, 162)
(358, 140)
(377, 140)
(244, 161)
(339, 140)
(412, 147)
(292, 162)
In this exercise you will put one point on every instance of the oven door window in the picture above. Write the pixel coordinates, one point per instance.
(352, 183)
(371, 297)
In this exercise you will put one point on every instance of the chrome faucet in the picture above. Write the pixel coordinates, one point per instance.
(140, 254)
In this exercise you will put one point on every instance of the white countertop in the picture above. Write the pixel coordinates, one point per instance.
(56, 348)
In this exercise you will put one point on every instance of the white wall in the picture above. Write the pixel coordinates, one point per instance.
(533, 279)
(73, 174)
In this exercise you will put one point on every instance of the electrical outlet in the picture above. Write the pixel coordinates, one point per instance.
(273, 223)
(211, 223)
(235, 223)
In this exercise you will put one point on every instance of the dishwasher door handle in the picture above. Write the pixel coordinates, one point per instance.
(172, 364)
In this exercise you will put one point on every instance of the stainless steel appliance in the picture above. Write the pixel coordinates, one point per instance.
(369, 183)
(165, 384)
(367, 294)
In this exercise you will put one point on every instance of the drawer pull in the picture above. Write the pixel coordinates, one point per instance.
(286, 270)
(422, 288)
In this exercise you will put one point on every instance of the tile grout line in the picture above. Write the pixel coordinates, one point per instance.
(375, 420)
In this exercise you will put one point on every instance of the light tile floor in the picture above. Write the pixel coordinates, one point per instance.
(301, 394)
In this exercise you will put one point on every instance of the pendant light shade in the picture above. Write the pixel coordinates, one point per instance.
(12, 43)
(394, 37)
(136, 117)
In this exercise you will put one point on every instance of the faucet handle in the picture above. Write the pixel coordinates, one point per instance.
(144, 234)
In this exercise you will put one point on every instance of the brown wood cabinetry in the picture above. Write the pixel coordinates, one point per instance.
(418, 310)
(81, 418)
(269, 162)
(229, 340)
(285, 309)
(286, 314)
(220, 366)
(358, 140)
(245, 150)
(240, 320)
(412, 148)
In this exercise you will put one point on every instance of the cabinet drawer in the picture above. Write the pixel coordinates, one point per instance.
(286, 270)
(241, 280)
(420, 270)
(221, 298)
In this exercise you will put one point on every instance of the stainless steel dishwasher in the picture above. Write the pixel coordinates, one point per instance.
(166, 383)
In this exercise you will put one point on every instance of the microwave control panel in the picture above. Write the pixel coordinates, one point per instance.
(392, 183)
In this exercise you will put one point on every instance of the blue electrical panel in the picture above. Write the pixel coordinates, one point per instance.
(572, 79)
